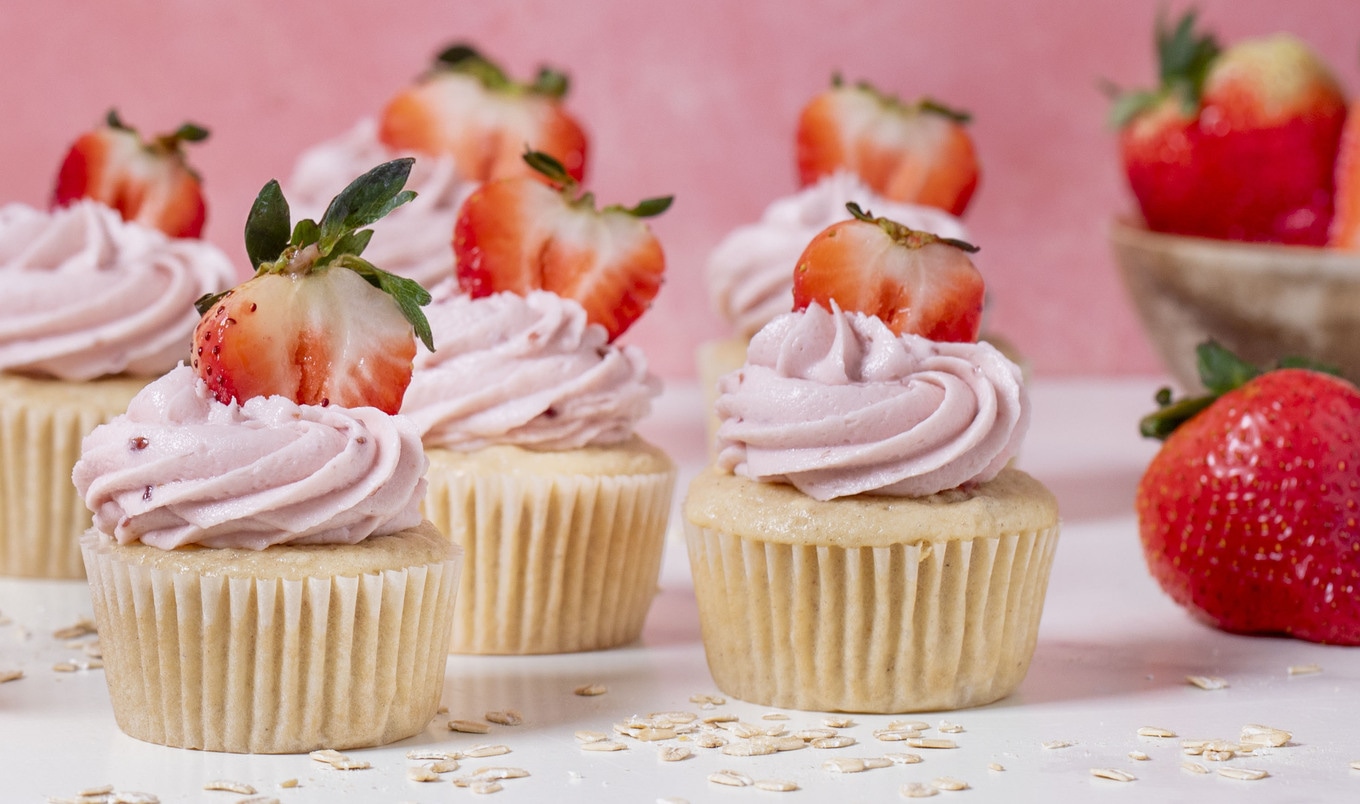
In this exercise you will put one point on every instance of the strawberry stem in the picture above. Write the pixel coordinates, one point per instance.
(905, 235)
(554, 171)
(464, 58)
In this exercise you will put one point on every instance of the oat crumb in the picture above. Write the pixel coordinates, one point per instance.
(228, 786)
(590, 690)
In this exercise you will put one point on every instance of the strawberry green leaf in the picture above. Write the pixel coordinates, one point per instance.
(550, 83)
(548, 166)
(190, 132)
(267, 225)
(457, 54)
(1220, 370)
(366, 199)
(649, 207)
(409, 295)
(935, 107)
(113, 120)
(305, 233)
(205, 302)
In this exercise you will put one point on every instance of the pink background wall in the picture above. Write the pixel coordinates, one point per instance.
(694, 97)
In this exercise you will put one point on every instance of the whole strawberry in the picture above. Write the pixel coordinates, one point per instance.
(915, 282)
(917, 153)
(147, 182)
(521, 234)
(1235, 144)
(1249, 514)
(317, 323)
(468, 107)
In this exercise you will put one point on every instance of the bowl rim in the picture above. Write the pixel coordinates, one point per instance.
(1126, 230)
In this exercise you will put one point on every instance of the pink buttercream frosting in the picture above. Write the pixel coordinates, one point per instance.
(88, 295)
(750, 272)
(524, 370)
(836, 404)
(414, 240)
(181, 468)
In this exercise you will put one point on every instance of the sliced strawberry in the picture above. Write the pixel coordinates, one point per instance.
(467, 106)
(317, 323)
(917, 153)
(914, 281)
(519, 234)
(147, 182)
(1345, 231)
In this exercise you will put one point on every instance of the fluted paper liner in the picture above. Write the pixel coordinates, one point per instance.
(921, 625)
(284, 664)
(554, 562)
(42, 423)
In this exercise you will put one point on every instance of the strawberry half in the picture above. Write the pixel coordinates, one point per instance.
(468, 107)
(521, 234)
(1345, 230)
(317, 323)
(916, 282)
(1235, 144)
(915, 153)
(147, 182)
(1247, 514)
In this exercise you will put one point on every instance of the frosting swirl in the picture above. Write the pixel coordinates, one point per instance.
(836, 404)
(414, 240)
(750, 272)
(524, 370)
(88, 295)
(181, 468)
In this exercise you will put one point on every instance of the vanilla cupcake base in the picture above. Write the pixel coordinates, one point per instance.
(869, 604)
(283, 650)
(562, 549)
(42, 422)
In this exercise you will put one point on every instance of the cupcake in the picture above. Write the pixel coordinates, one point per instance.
(261, 576)
(860, 543)
(465, 122)
(527, 412)
(911, 162)
(99, 300)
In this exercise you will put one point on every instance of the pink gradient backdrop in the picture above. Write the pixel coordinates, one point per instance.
(696, 98)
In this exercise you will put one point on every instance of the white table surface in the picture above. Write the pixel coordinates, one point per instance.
(1113, 655)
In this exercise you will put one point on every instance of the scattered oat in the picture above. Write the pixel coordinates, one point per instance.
(814, 734)
(1304, 669)
(91, 792)
(918, 725)
(918, 790)
(996, 766)
(1208, 682)
(442, 710)
(590, 690)
(1258, 736)
(1245, 774)
(742, 729)
(93, 649)
(422, 773)
(1139, 756)
(709, 740)
(603, 745)
(1154, 731)
(931, 742)
(720, 718)
(482, 788)
(1219, 756)
(755, 747)
(499, 773)
(946, 727)
(1355, 765)
(832, 742)
(837, 722)
(1053, 745)
(432, 756)
(65, 667)
(730, 778)
(288, 784)
(1194, 767)
(844, 765)
(10, 675)
(444, 765)
(468, 726)
(776, 785)
(774, 716)
(259, 800)
(1113, 774)
(674, 718)
(948, 783)
(674, 753)
(651, 735)
(903, 758)
(704, 698)
(587, 736)
(479, 751)
(895, 735)
(81, 627)
(788, 743)
(227, 786)
(507, 717)
(328, 755)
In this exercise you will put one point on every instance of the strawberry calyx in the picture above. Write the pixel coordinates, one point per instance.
(897, 105)
(275, 246)
(1220, 371)
(904, 235)
(1184, 57)
(463, 58)
(170, 144)
(556, 173)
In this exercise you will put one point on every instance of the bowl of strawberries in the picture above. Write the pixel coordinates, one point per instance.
(1245, 166)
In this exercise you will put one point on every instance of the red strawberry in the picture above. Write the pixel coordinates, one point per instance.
(317, 323)
(1248, 513)
(1345, 231)
(467, 106)
(147, 182)
(1237, 144)
(916, 153)
(914, 281)
(520, 234)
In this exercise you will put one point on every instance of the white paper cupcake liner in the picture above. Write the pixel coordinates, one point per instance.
(552, 563)
(270, 665)
(905, 628)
